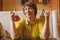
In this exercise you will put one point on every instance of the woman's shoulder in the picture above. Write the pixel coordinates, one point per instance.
(40, 20)
(20, 23)
(37, 18)
(22, 20)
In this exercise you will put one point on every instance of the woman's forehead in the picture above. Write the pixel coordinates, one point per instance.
(28, 7)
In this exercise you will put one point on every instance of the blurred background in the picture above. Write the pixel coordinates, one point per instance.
(10, 5)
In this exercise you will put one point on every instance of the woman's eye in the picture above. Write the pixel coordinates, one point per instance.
(25, 9)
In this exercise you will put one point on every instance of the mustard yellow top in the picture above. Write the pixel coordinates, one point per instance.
(27, 30)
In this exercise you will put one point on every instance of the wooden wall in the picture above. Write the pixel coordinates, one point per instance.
(11, 4)
(8, 5)
(1, 5)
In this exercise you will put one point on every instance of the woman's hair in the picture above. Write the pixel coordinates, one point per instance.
(31, 4)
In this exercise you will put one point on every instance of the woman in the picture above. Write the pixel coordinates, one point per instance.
(30, 27)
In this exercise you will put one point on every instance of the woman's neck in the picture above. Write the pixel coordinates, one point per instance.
(31, 19)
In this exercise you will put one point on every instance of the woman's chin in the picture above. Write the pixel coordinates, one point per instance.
(27, 16)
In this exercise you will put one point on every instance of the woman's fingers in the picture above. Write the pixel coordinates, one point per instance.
(47, 14)
(14, 17)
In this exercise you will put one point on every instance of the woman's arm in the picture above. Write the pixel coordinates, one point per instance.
(46, 32)
(16, 35)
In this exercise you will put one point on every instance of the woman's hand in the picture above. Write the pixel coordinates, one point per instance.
(47, 14)
(14, 17)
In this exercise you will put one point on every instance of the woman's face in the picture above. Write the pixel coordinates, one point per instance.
(29, 12)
